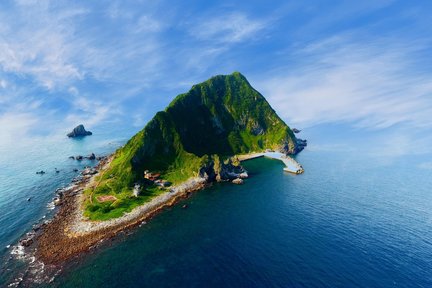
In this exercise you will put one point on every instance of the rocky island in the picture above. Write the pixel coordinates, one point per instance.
(201, 137)
(79, 131)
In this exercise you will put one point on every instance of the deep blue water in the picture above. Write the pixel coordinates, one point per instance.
(353, 219)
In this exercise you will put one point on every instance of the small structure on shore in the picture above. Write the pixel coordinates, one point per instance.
(136, 190)
(151, 176)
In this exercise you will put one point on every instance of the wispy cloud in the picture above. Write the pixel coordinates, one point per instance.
(92, 112)
(14, 126)
(341, 80)
(227, 28)
(36, 44)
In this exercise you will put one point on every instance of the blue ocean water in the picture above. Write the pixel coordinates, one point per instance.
(353, 219)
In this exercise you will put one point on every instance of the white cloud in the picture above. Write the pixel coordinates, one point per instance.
(231, 28)
(148, 24)
(15, 127)
(37, 44)
(91, 112)
(370, 84)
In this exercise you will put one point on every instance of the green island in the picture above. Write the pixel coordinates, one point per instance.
(197, 135)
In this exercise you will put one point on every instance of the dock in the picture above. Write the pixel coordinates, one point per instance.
(291, 165)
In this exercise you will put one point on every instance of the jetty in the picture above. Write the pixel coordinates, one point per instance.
(291, 165)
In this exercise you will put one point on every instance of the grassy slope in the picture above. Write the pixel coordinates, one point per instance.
(222, 116)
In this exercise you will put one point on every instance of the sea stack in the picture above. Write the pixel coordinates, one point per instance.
(79, 131)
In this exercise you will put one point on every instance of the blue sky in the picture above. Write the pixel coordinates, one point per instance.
(362, 64)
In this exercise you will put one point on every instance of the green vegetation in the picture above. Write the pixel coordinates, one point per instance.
(220, 117)
(125, 202)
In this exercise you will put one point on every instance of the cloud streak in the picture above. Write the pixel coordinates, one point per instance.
(371, 85)
(229, 28)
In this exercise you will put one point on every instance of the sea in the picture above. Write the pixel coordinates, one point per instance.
(360, 216)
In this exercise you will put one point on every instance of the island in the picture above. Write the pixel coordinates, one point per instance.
(201, 137)
(79, 131)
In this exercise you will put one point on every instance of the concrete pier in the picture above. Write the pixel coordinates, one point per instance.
(292, 166)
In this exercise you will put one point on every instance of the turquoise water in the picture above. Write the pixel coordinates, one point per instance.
(352, 220)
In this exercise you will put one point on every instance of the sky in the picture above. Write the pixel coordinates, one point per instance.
(363, 65)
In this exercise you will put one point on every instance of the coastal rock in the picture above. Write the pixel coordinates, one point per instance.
(237, 181)
(79, 157)
(292, 148)
(89, 171)
(92, 156)
(230, 170)
(79, 131)
(300, 145)
(295, 130)
(72, 157)
(243, 175)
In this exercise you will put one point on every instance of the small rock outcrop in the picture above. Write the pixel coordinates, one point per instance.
(79, 131)
(295, 130)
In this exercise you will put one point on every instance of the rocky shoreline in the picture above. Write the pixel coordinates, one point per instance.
(69, 234)
(51, 243)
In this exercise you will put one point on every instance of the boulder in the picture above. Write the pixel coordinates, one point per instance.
(237, 181)
(79, 131)
(243, 175)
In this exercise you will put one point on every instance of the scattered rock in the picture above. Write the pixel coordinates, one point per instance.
(72, 157)
(75, 170)
(26, 242)
(89, 171)
(92, 156)
(243, 175)
(57, 201)
(28, 239)
(79, 131)
(79, 157)
(237, 181)
(28, 199)
(40, 172)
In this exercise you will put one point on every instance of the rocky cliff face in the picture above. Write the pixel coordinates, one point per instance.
(79, 131)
